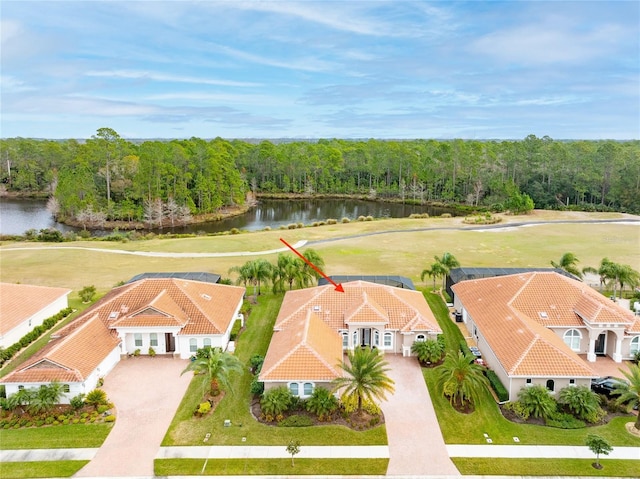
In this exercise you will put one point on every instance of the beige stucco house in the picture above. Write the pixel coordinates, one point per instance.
(171, 315)
(316, 325)
(532, 327)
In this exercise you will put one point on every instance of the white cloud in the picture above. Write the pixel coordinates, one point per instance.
(163, 77)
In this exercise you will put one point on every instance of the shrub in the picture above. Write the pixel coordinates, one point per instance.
(429, 351)
(276, 401)
(257, 387)
(361, 218)
(237, 326)
(537, 401)
(136, 353)
(498, 387)
(579, 400)
(96, 398)
(256, 363)
(322, 403)
(464, 348)
(234, 231)
(50, 235)
(296, 421)
(300, 225)
(445, 215)
(103, 408)
(332, 221)
(369, 218)
(110, 418)
(563, 420)
(292, 226)
(203, 408)
(345, 220)
(152, 352)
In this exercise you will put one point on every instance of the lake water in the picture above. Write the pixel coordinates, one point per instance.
(20, 215)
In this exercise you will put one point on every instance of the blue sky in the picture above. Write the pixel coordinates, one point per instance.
(343, 69)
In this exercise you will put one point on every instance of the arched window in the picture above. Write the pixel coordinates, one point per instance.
(308, 389)
(345, 340)
(207, 342)
(551, 385)
(388, 340)
(193, 345)
(572, 339)
(293, 387)
(634, 347)
(420, 337)
(376, 338)
(355, 339)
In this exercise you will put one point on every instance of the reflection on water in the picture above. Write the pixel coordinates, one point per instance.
(20, 215)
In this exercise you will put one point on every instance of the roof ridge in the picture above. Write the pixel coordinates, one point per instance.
(522, 356)
(524, 285)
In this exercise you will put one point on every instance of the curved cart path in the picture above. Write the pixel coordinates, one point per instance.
(416, 445)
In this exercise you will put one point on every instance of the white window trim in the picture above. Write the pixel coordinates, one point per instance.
(384, 337)
(421, 337)
(635, 341)
(573, 337)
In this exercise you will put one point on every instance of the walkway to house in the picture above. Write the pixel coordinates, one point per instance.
(146, 391)
(416, 446)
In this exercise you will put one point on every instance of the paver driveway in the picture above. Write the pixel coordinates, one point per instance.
(416, 446)
(146, 392)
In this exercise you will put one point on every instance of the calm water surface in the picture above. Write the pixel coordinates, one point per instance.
(20, 215)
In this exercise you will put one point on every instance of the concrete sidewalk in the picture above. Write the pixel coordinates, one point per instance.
(317, 452)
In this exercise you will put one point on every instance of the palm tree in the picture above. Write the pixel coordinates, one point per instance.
(289, 270)
(629, 392)
(216, 367)
(312, 256)
(46, 397)
(262, 271)
(537, 401)
(580, 400)
(366, 376)
(461, 379)
(627, 275)
(448, 261)
(435, 271)
(244, 274)
(568, 262)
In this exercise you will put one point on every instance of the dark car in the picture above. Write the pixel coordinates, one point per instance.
(606, 385)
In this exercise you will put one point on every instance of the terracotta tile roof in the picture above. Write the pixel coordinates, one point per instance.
(79, 347)
(361, 301)
(307, 350)
(199, 308)
(18, 302)
(71, 358)
(507, 310)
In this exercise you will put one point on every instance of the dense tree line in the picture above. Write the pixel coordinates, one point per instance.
(109, 178)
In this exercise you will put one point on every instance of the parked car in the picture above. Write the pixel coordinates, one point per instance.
(606, 385)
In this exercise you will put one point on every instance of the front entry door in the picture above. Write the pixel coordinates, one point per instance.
(170, 342)
(601, 344)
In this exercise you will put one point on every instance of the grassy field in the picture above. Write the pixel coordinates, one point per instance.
(270, 467)
(20, 470)
(393, 246)
(492, 466)
(186, 429)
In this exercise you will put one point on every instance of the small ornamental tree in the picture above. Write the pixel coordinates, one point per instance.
(87, 293)
(598, 445)
(293, 448)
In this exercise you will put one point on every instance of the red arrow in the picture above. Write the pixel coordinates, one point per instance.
(338, 286)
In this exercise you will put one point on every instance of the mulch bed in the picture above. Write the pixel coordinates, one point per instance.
(353, 421)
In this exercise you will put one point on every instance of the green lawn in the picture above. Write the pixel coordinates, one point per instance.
(185, 429)
(545, 467)
(275, 467)
(55, 437)
(20, 470)
(460, 428)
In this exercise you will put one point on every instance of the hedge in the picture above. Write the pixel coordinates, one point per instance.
(498, 387)
(31, 336)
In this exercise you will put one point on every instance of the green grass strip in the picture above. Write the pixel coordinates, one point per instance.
(55, 437)
(264, 467)
(23, 470)
(545, 467)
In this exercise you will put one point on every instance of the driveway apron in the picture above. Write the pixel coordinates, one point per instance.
(146, 392)
(416, 446)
